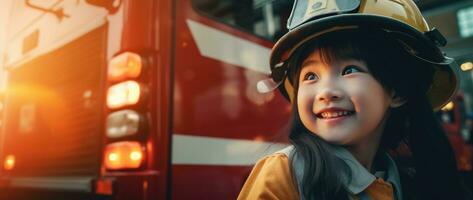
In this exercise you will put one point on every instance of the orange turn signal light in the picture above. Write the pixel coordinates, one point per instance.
(124, 155)
(124, 66)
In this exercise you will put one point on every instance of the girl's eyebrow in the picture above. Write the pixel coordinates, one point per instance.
(309, 62)
(358, 63)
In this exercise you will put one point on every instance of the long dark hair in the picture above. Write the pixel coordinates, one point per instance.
(413, 124)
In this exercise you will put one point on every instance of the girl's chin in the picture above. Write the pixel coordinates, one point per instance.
(340, 140)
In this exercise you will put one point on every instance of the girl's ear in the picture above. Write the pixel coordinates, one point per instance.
(397, 101)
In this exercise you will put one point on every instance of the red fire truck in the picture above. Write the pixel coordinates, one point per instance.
(453, 117)
(137, 99)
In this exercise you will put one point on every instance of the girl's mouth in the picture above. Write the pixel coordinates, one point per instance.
(334, 114)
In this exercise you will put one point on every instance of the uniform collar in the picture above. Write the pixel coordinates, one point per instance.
(361, 178)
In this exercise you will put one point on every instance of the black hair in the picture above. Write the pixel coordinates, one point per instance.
(413, 124)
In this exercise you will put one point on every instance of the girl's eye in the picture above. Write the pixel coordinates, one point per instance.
(310, 76)
(351, 69)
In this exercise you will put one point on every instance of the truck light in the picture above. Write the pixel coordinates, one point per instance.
(122, 94)
(448, 106)
(123, 155)
(9, 162)
(123, 123)
(123, 66)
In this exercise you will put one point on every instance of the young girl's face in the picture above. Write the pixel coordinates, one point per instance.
(341, 101)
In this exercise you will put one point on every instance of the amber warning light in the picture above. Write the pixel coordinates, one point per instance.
(123, 155)
(124, 66)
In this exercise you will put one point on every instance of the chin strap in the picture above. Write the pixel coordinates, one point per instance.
(277, 77)
(267, 85)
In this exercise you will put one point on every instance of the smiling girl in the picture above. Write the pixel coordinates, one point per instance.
(363, 77)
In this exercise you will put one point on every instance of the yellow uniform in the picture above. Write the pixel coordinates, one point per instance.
(273, 178)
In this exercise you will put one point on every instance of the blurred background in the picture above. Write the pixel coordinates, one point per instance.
(157, 99)
(4, 17)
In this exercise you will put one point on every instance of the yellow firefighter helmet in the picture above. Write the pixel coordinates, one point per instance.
(312, 18)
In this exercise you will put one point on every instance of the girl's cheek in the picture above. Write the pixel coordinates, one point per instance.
(300, 97)
(305, 100)
(302, 100)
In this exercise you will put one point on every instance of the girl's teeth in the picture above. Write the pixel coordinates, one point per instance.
(334, 114)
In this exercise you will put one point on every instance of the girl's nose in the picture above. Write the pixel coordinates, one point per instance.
(329, 94)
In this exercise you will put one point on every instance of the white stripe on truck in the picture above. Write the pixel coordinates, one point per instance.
(200, 150)
(219, 45)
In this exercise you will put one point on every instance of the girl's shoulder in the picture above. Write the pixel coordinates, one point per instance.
(287, 151)
(275, 160)
(270, 175)
(277, 163)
